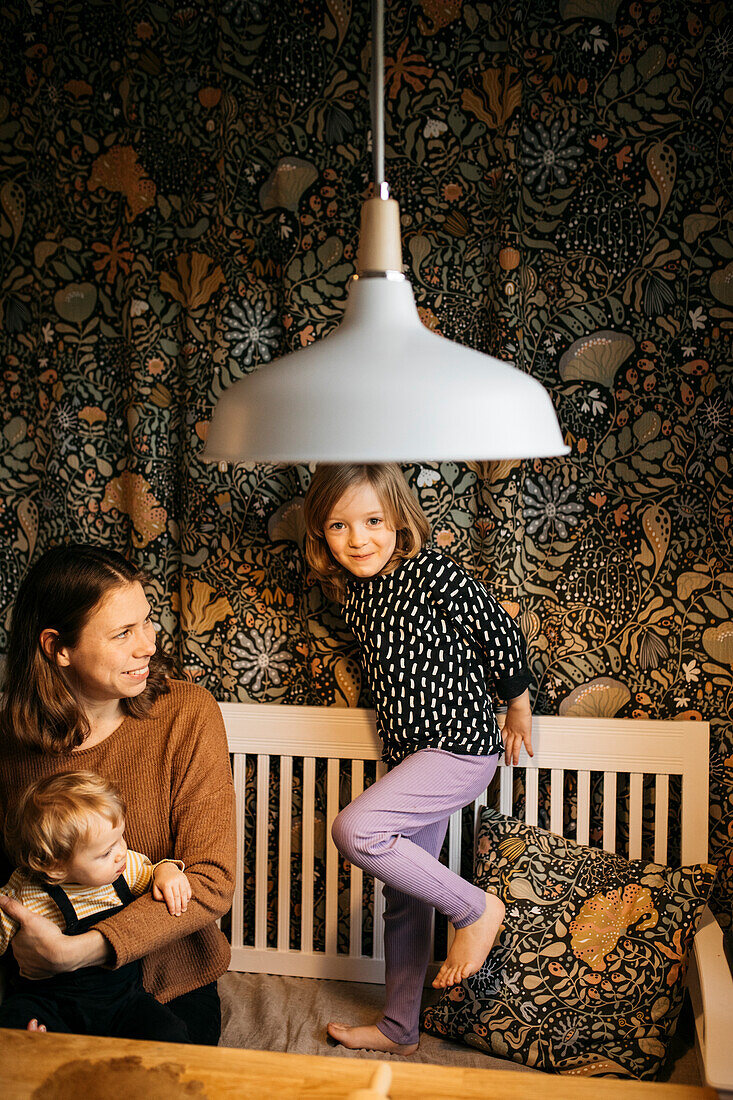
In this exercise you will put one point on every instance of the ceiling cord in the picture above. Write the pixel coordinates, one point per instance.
(381, 189)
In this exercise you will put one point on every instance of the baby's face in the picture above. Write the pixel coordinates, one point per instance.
(102, 858)
(359, 534)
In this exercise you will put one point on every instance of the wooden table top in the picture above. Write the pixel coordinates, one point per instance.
(78, 1067)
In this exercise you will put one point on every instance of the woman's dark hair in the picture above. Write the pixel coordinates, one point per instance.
(39, 708)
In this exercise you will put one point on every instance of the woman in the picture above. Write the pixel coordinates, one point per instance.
(85, 689)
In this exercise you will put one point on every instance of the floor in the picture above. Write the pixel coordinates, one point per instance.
(269, 1012)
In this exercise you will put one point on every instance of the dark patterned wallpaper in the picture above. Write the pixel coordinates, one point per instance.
(179, 198)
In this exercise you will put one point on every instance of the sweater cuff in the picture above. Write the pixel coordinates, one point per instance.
(509, 687)
(178, 862)
(117, 958)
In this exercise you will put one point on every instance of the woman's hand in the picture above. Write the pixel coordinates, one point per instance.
(41, 949)
(517, 729)
(171, 886)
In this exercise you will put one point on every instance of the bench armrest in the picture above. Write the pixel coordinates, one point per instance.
(710, 984)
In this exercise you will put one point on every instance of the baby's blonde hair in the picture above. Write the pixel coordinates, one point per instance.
(402, 511)
(53, 818)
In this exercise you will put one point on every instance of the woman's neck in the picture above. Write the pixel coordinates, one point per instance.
(103, 718)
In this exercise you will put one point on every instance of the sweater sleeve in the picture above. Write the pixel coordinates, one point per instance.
(202, 837)
(484, 622)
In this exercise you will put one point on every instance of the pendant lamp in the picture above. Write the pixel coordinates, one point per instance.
(382, 387)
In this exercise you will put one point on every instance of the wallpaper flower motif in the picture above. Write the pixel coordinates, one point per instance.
(179, 204)
(251, 332)
(549, 155)
(549, 507)
(260, 657)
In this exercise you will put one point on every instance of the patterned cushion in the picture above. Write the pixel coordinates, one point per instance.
(587, 974)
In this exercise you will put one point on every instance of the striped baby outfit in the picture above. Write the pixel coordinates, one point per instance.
(86, 900)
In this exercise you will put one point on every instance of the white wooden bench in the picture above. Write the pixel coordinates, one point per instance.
(301, 742)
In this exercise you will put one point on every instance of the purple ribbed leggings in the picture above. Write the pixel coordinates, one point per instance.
(395, 831)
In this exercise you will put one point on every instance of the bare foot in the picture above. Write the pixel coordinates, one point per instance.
(368, 1037)
(33, 1025)
(471, 945)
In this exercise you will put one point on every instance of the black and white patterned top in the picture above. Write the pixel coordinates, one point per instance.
(434, 643)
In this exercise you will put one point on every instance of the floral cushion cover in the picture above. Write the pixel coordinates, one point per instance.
(587, 973)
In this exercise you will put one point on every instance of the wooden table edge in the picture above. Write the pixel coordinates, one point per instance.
(29, 1060)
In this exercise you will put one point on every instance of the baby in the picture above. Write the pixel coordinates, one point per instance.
(66, 837)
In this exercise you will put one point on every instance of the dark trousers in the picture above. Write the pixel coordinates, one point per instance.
(194, 1017)
(200, 1011)
(138, 1016)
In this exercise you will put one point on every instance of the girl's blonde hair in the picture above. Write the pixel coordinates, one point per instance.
(53, 818)
(402, 511)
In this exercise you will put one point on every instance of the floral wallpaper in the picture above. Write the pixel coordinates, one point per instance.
(179, 199)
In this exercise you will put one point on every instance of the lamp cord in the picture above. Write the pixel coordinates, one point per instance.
(381, 189)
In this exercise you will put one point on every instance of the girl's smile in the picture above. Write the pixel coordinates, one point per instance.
(358, 533)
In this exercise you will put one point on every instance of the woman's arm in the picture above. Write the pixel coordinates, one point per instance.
(202, 836)
(41, 949)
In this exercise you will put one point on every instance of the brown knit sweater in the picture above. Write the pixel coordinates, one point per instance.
(172, 768)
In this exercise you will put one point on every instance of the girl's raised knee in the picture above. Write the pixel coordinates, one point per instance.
(343, 834)
(355, 842)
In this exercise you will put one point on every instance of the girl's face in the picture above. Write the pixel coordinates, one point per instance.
(111, 660)
(358, 533)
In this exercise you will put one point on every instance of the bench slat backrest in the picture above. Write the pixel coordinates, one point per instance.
(336, 744)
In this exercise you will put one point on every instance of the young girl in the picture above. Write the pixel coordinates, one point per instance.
(433, 643)
(74, 867)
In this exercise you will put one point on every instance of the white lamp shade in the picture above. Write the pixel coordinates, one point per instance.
(383, 388)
